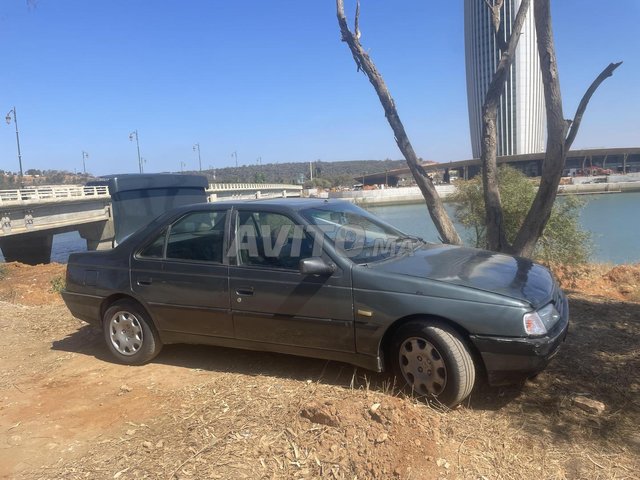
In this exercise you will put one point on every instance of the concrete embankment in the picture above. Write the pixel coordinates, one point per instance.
(409, 195)
(593, 188)
(390, 196)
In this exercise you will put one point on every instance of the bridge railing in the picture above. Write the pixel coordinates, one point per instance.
(47, 193)
(221, 187)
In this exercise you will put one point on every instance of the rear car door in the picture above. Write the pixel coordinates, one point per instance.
(271, 301)
(182, 275)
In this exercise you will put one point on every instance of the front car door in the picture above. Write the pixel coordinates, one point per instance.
(181, 275)
(271, 301)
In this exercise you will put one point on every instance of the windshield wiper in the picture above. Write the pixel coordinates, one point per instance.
(414, 238)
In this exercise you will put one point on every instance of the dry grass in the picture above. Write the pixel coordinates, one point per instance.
(201, 412)
(239, 427)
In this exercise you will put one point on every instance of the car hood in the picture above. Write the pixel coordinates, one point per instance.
(514, 277)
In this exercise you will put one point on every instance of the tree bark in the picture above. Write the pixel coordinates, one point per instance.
(434, 203)
(494, 217)
(559, 137)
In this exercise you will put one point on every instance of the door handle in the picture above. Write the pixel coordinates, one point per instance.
(144, 281)
(244, 292)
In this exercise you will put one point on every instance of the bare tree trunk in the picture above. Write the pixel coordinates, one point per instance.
(438, 214)
(494, 217)
(559, 137)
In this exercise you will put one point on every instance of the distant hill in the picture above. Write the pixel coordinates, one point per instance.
(326, 174)
(329, 173)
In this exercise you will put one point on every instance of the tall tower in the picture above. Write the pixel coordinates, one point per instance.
(521, 114)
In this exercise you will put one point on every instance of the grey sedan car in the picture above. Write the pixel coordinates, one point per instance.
(326, 279)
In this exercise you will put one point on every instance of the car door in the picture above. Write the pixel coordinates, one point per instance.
(271, 301)
(182, 275)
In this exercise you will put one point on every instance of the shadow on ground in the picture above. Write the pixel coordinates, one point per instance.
(88, 340)
(600, 359)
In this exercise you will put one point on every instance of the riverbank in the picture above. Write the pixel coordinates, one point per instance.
(204, 412)
(410, 195)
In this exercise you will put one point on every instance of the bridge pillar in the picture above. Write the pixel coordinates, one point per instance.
(30, 248)
(99, 236)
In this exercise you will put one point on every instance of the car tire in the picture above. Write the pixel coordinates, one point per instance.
(434, 361)
(129, 334)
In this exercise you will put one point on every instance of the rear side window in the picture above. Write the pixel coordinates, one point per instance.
(198, 236)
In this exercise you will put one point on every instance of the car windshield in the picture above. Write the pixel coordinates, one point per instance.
(359, 235)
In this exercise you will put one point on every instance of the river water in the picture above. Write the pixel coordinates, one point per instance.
(611, 218)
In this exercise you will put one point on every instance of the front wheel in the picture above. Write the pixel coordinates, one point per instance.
(434, 361)
(129, 334)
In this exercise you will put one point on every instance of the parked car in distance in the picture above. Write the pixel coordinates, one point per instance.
(326, 279)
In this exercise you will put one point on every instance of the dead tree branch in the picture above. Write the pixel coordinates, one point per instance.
(494, 217)
(434, 203)
(559, 136)
(577, 119)
(495, 8)
(356, 23)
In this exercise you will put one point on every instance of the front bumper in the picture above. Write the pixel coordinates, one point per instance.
(509, 359)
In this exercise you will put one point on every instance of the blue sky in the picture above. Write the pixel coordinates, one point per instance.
(271, 79)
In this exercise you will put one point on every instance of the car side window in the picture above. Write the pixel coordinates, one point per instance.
(156, 248)
(272, 240)
(197, 236)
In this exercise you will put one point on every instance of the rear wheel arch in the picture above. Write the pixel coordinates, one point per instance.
(128, 330)
(119, 297)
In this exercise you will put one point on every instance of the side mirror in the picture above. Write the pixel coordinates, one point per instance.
(315, 266)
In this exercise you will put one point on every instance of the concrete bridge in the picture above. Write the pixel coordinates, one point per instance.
(249, 191)
(30, 217)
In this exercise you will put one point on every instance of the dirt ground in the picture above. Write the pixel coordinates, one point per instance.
(67, 411)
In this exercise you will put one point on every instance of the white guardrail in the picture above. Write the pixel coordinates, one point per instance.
(56, 193)
(224, 187)
(64, 193)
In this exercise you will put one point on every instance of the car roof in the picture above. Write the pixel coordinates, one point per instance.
(291, 204)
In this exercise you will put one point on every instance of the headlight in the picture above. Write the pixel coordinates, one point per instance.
(540, 321)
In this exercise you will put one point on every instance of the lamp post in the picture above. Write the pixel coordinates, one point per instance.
(15, 120)
(182, 165)
(85, 155)
(196, 147)
(133, 135)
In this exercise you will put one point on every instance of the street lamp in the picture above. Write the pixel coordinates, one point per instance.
(196, 147)
(85, 155)
(133, 135)
(235, 154)
(15, 120)
(182, 165)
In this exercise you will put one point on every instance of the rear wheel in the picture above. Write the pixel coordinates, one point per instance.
(434, 361)
(129, 334)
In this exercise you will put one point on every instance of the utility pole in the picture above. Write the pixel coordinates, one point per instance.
(196, 147)
(235, 154)
(15, 120)
(85, 155)
(133, 135)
